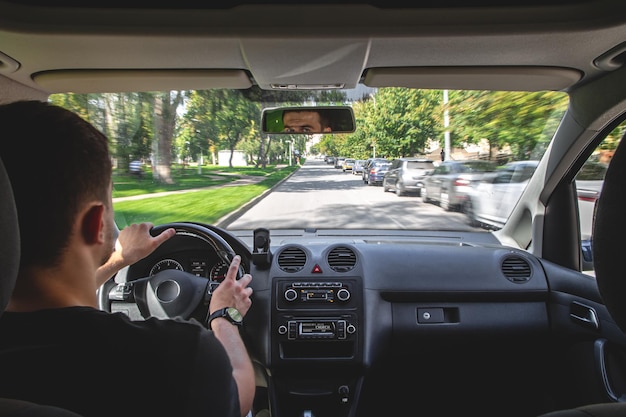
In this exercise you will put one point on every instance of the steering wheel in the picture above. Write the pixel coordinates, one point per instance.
(174, 293)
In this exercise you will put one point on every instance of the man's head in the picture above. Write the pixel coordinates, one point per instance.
(306, 121)
(60, 171)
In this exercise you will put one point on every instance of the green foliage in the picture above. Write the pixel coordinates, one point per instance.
(396, 122)
(521, 121)
(393, 122)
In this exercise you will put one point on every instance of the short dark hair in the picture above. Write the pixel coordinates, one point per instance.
(324, 116)
(56, 161)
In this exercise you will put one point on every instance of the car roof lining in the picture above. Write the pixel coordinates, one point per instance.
(486, 46)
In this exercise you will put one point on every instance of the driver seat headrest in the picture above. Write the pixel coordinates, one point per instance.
(9, 266)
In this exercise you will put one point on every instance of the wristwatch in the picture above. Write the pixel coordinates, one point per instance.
(229, 313)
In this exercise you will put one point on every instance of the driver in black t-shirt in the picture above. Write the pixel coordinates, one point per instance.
(56, 347)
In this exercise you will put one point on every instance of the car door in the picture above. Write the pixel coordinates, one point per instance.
(433, 182)
(390, 180)
(484, 199)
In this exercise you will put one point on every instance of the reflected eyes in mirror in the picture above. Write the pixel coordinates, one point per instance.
(308, 120)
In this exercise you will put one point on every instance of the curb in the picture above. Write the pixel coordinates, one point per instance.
(227, 219)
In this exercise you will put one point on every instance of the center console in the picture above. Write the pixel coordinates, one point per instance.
(316, 346)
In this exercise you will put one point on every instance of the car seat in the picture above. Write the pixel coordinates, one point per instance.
(608, 250)
(9, 264)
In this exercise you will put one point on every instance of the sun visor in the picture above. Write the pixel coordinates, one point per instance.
(474, 78)
(118, 81)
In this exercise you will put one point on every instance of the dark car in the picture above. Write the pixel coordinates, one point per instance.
(376, 172)
(450, 183)
(406, 175)
(366, 165)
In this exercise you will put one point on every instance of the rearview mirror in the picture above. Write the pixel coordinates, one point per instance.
(308, 120)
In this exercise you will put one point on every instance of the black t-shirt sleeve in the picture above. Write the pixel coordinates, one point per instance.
(212, 387)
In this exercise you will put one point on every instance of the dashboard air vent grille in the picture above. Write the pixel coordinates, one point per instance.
(341, 259)
(292, 259)
(516, 269)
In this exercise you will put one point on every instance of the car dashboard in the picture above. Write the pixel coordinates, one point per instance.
(339, 314)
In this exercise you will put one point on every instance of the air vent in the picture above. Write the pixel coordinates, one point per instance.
(292, 259)
(341, 259)
(516, 269)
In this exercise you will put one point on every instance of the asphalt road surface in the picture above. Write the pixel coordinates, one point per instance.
(323, 197)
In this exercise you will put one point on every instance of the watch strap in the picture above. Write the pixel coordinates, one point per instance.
(223, 312)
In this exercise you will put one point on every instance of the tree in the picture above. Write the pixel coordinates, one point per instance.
(400, 121)
(520, 120)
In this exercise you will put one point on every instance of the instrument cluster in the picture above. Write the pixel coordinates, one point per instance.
(211, 267)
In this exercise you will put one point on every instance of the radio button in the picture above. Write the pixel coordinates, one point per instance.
(292, 330)
(351, 328)
(341, 329)
(291, 294)
(343, 294)
(282, 329)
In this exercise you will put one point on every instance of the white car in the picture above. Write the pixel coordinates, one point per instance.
(589, 182)
(492, 199)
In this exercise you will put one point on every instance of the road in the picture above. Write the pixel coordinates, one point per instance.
(321, 196)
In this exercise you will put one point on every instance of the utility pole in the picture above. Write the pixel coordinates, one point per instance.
(446, 124)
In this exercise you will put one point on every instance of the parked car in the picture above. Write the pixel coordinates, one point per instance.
(366, 167)
(376, 172)
(492, 199)
(449, 183)
(357, 169)
(339, 161)
(589, 182)
(330, 160)
(355, 312)
(406, 175)
(348, 164)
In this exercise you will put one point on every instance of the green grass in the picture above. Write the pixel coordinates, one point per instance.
(126, 185)
(205, 206)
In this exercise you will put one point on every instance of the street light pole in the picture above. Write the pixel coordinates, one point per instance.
(446, 124)
(373, 96)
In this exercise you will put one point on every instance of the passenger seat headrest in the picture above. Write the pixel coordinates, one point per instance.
(609, 232)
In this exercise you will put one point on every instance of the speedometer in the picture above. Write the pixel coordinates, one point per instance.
(220, 269)
(164, 264)
(218, 272)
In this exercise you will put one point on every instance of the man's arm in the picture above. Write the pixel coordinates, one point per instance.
(235, 293)
(133, 244)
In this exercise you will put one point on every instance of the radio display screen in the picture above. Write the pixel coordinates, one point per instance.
(317, 327)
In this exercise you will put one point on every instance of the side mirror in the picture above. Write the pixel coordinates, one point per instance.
(308, 120)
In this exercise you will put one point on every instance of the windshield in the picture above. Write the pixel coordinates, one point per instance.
(201, 156)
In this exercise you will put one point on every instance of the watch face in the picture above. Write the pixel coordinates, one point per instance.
(234, 314)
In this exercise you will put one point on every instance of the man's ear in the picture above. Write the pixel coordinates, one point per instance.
(93, 224)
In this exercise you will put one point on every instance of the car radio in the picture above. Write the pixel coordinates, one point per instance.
(338, 329)
(316, 319)
(312, 294)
